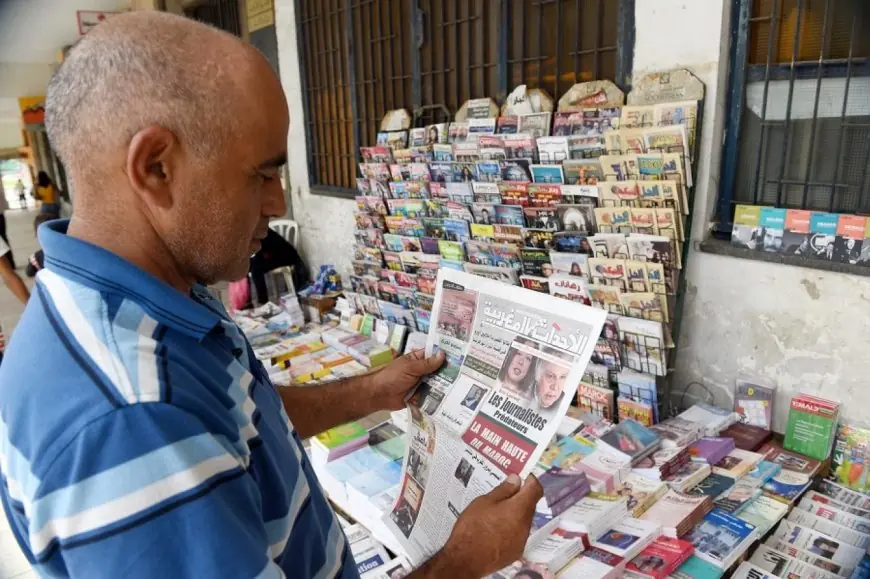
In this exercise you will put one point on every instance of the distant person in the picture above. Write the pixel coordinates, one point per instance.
(22, 198)
(4, 205)
(46, 192)
(37, 259)
(276, 252)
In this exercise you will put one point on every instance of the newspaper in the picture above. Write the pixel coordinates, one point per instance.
(514, 359)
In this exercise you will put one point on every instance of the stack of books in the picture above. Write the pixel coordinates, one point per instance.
(632, 439)
(747, 488)
(763, 512)
(678, 513)
(697, 568)
(663, 463)
(747, 437)
(721, 539)
(605, 469)
(795, 476)
(713, 419)
(593, 516)
(812, 426)
(595, 563)
(659, 559)
(737, 463)
(556, 549)
(628, 537)
(711, 449)
(688, 476)
(714, 486)
(676, 432)
(562, 488)
(368, 553)
(337, 442)
(641, 492)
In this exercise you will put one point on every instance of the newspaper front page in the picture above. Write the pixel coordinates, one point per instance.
(514, 359)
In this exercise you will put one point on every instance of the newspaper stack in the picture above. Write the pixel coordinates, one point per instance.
(511, 371)
(769, 560)
(806, 542)
(367, 552)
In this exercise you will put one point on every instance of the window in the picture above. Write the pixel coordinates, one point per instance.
(223, 14)
(361, 58)
(798, 132)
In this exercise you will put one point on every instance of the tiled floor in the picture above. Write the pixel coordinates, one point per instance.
(19, 229)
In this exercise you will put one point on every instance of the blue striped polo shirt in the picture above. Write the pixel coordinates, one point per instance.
(139, 436)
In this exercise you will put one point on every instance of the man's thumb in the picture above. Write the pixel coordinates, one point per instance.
(428, 365)
(505, 490)
(532, 491)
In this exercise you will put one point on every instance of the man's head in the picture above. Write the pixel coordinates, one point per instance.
(549, 382)
(174, 132)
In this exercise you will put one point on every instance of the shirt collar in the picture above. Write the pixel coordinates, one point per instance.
(104, 271)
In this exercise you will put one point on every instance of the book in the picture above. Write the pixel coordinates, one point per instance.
(339, 441)
(823, 234)
(772, 222)
(849, 465)
(754, 403)
(811, 426)
(713, 418)
(746, 230)
(630, 438)
(628, 538)
(776, 454)
(713, 486)
(737, 463)
(764, 512)
(594, 563)
(677, 512)
(787, 485)
(560, 484)
(721, 538)
(605, 469)
(850, 238)
(697, 568)
(678, 432)
(556, 549)
(737, 498)
(747, 437)
(689, 475)
(711, 449)
(663, 463)
(796, 238)
(659, 559)
(641, 492)
(593, 515)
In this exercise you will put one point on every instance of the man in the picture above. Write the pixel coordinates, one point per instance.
(549, 383)
(22, 199)
(152, 443)
(4, 206)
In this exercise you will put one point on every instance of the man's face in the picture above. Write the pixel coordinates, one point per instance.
(773, 239)
(224, 203)
(550, 382)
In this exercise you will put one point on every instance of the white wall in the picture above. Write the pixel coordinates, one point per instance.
(800, 329)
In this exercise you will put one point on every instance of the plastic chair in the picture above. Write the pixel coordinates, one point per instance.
(286, 228)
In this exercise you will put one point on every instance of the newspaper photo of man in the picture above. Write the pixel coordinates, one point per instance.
(550, 379)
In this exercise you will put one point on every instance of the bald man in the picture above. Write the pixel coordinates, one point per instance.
(140, 437)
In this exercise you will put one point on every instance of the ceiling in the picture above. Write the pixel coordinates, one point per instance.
(31, 34)
(32, 31)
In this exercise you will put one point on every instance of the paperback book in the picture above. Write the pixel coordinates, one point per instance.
(747, 437)
(721, 538)
(630, 438)
(697, 568)
(628, 537)
(754, 404)
(764, 513)
(689, 475)
(677, 513)
(659, 559)
(714, 486)
(737, 463)
(711, 449)
(811, 427)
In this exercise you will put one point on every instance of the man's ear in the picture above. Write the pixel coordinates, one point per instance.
(152, 159)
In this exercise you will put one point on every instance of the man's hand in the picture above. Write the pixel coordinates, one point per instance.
(389, 387)
(490, 534)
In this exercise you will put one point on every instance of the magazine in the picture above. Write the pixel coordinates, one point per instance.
(483, 415)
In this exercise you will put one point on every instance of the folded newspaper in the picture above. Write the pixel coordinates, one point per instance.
(514, 359)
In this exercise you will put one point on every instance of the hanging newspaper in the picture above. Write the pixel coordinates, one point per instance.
(514, 359)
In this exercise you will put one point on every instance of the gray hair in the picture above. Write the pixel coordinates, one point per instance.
(137, 70)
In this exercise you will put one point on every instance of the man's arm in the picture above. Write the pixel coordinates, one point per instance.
(315, 409)
(13, 281)
(146, 491)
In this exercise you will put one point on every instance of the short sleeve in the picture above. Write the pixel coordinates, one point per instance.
(146, 491)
